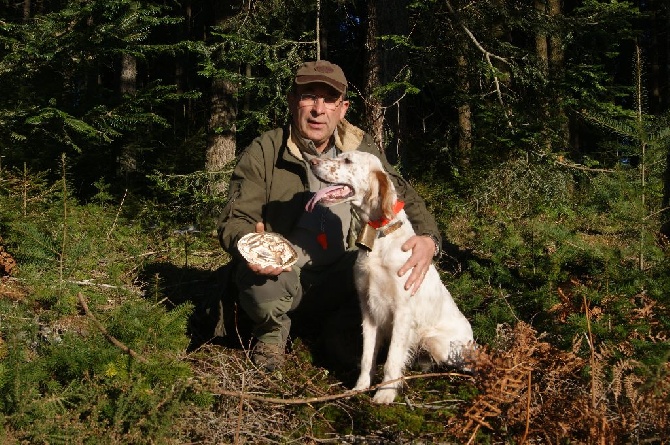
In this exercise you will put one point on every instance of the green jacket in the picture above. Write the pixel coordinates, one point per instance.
(269, 184)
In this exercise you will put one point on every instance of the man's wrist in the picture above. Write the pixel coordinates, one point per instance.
(436, 241)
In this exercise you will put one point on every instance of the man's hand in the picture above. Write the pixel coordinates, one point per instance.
(423, 249)
(268, 270)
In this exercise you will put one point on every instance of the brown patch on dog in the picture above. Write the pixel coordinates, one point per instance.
(387, 199)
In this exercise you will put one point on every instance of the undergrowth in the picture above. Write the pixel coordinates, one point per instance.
(97, 325)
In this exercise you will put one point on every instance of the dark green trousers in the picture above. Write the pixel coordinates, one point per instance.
(312, 293)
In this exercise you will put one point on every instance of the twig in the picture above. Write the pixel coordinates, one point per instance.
(435, 405)
(474, 434)
(652, 214)
(153, 252)
(61, 254)
(509, 306)
(103, 285)
(525, 433)
(584, 168)
(328, 398)
(592, 351)
(240, 411)
(487, 55)
(206, 173)
(118, 212)
(473, 38)
(107, 335)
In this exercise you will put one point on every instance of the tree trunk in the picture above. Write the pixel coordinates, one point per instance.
(26, 10)
(557, 69)
(128, 81)
(542, 52)
(373, 109)
(659, 54)
(385, 63)
(541, 44)
(661, 83)
(393, 18)
(221, 143)
(549, 50)
(665, 216)
(464, 115)
(221, 134)
(128, 85)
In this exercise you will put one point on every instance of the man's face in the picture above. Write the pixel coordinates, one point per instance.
(316, 120)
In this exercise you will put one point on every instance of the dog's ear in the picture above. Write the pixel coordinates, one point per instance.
(372, 193)
(384, 192)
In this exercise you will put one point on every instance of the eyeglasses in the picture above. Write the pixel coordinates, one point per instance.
(310, 100)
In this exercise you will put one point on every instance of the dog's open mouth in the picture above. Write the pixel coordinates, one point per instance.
(330, 195)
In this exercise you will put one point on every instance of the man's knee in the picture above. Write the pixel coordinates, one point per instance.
(263, 297)
(263, 310)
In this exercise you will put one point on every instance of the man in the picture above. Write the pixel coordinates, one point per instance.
(268, 190)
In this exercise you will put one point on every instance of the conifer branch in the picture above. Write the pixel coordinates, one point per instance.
(107, 335)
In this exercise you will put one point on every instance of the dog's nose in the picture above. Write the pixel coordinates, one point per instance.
(314, 161)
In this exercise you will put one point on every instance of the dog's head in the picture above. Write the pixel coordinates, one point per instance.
(357, 177)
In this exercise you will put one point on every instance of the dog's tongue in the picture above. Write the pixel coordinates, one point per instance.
(318, 196)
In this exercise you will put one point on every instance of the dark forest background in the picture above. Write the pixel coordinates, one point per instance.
(126, 88)
(536, 130)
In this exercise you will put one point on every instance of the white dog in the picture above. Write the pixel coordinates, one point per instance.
(430, 319)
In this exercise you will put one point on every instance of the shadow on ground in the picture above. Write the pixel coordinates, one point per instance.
(215, 317)
(334, 342)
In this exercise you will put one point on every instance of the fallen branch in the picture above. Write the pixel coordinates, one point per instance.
(583, 167)
(331, 397)
(88, 282)
(107, 335)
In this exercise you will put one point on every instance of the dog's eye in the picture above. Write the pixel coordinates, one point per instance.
(348, 161)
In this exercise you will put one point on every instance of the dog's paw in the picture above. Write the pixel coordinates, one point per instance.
(385, 395)
(362, 383)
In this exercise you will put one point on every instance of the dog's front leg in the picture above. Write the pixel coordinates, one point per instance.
(371, 343)
(397, 357)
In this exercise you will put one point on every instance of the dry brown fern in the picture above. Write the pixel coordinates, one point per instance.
(7, 262)
(502, 376)
(526, 389)
(643, 400)
(532, 392)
